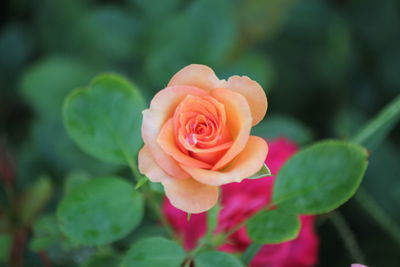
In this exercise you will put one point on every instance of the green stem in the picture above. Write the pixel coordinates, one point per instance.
(220, 239)
(250, 252)
(385, 120)
(154, 205)
(347, 235)
(212, 220)
(190, 257)
(385, 221)
(214, 242)
(134, 168)
(208, 240)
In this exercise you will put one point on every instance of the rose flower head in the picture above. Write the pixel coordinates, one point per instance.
(196, 136)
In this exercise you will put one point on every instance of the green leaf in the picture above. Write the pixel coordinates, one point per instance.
(279, 125)
(46, 232)
(48, 82)
(100, 211)
(154, 251)
(216, 258)
(376, 129)
(45, 86)
(110, 31)
(154, 10)
(35, 199)
(53, 145)
(74, 179)
(5, 247)
(148, 228)
(320, 178)
(263, 172)
(105, 118)
(104, 257)
(272, 227)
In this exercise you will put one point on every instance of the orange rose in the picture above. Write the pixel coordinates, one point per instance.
(197, 136)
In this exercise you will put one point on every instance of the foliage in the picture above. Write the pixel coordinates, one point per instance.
(96, 213)
(69, 173)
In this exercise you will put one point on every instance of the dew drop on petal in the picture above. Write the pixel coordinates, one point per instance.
(191, 139)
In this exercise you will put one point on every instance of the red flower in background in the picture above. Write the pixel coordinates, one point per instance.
(240, 201)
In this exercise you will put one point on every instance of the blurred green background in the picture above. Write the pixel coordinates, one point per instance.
(327, 67)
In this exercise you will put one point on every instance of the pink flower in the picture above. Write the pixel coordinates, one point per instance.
(239, 202)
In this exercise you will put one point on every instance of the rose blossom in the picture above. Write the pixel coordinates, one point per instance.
(239, 202)
(196, 136)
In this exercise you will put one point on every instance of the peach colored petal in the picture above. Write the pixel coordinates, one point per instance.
(213, 142)
(199, 123)
(166, 140)
(247, 163)
(149, 134)
(238, 122)
(198, 105)
(213, 154)
(204, 77)
(197, 75)
(211, 157)
(189, 195)
(148, 166)
(254, 94)
(187, 112)
(161, 109)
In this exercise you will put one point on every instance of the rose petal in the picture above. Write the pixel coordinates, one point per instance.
(238, 122)
(247, 163)
(161, 109)
(197, 75)
(213, 154)
(166, 140)
(189, 195)
(204, 77)
(194, 110)
(148, 166)
(254, 94)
